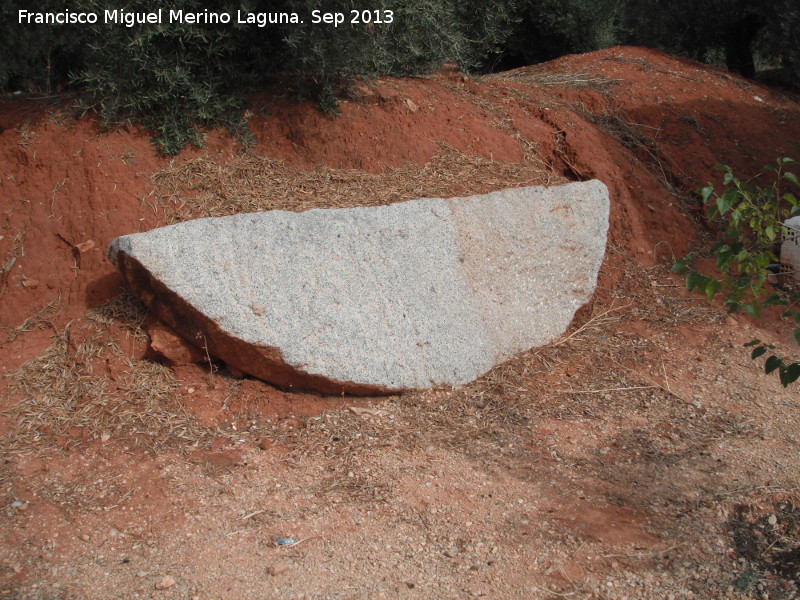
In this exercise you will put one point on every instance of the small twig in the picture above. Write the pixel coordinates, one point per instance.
(578, 549)
(666, 380)
(56, 188)
(252, 514)
(618, 389)
(754, 488)
(643, 554)
(658, 385)
(232, 533)
(595, 320)
(780, 539)
(564, 573)
(562, 594)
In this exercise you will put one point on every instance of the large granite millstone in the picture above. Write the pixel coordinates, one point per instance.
(378, 299)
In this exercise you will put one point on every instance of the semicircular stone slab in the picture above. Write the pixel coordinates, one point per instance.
(377, 299)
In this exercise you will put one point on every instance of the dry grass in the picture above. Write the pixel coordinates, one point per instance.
(17, 250)
(66, 389)
(642, 140)
(59, 387)
(660, 298)
(149, 410)
(203, 187)
(530, 76)
(41, 318)
(125, 311)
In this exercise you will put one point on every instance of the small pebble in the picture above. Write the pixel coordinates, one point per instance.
(165, 583)
(286, 541)
(278, 569)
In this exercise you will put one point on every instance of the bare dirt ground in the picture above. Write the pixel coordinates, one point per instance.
(643, 455)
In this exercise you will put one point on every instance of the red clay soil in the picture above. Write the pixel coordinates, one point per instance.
(650, 126)
(67, 189)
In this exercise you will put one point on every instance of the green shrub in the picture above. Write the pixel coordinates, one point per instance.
(705, 29)
(176, 78)
(171, 78)
(547, 29)
(415, 37)
(753, 217)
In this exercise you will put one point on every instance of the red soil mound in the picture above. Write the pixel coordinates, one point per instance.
(648, 125)
(622, 457)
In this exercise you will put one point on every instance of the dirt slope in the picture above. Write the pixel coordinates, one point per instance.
(643, 457)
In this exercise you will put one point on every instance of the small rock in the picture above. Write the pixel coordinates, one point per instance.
(387, 94)
(772, 520)
(451, 552)
(166, 343)
(31, 284)
(412, 106)
(265, 444)
(86, 246)
(165, 583)
(278, 569)
(85, 537)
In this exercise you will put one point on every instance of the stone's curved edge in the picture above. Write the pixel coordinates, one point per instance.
(512, 274)
(206, 334)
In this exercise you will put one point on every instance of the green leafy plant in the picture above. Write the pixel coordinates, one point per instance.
(170, 78)
(177, 79)
(747, 579)
(753, 216)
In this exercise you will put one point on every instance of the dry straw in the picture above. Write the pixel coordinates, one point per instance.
(65, 392)
(203, 187)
